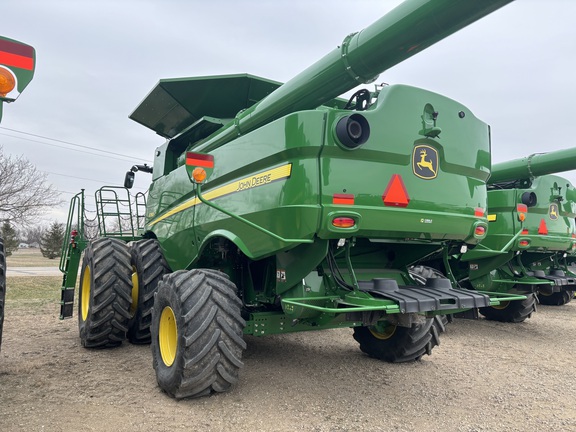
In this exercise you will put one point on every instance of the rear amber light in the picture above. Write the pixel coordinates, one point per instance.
(524, 231)
(479, 212)
(7, 82)
(522, 209)
(343, 222)
(199, 175)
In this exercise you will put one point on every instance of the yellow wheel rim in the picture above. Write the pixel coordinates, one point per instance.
(383, 333)
(502, 305)
(135, 290)
(168, 336)
(85, 306)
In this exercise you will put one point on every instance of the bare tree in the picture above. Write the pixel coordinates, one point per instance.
(24, 191)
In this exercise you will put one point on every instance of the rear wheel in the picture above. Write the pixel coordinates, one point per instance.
(2, 286)
(148, 268)
(515, 311)
(395, 344)
(556, 299)
(197, 333)
(105, 294)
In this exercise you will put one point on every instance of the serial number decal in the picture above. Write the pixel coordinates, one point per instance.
(257, 180)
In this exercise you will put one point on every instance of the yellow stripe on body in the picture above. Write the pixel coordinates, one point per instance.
(246, 183)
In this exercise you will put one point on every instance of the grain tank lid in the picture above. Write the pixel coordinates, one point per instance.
(175, 104)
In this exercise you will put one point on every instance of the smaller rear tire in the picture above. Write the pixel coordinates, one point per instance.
(515, 311)
(396, 344)
(556, 299)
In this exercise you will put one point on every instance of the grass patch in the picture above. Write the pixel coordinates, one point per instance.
(32, 291)
(30, 258)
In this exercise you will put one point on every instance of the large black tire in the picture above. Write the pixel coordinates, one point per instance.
(148, 268)
(516, 311)
(197, 333)
(2, 286)
(105, 293)
(396, 344)
(556, 299)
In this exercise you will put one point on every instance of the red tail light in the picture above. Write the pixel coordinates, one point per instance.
(343, 222)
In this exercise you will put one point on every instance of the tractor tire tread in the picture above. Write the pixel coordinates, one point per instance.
(209, 322)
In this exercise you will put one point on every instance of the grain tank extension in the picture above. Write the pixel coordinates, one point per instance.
(281, 208)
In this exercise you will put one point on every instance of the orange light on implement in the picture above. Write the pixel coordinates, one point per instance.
(200, 160)
(395, 193)
(199, 175)
(524, 243)
(542, 229)
(522, 209)
(524, 231)
(7, 82)
(479, 212)
(346, 199)
(343, 222)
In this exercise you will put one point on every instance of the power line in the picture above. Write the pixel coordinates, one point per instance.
(69, 143)
(67, 148)
(84, 178)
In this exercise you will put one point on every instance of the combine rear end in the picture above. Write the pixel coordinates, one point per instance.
(17, 63)
(280, 208)
(531, 232)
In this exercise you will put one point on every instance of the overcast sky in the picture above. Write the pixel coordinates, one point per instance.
(96, 61)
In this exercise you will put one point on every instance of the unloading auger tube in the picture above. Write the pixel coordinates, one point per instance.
(408, 29)
(535, 165)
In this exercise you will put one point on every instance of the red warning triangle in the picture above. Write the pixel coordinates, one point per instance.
(395, 194)
(542, 229)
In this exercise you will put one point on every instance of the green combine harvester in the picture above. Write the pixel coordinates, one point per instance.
(17, 64)
(282, 208)
(531, 233)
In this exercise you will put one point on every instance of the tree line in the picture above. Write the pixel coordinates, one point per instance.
(49, 239)
(25, 195)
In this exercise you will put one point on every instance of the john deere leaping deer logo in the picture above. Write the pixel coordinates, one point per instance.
(553, 211)
(425, 162)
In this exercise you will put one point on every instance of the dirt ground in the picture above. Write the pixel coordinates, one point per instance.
(485, 376)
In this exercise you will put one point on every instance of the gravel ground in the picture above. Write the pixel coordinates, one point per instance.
(485, 376)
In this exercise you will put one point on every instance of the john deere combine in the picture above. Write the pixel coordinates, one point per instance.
(531, 232)
(281, 208)
(17, 63)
